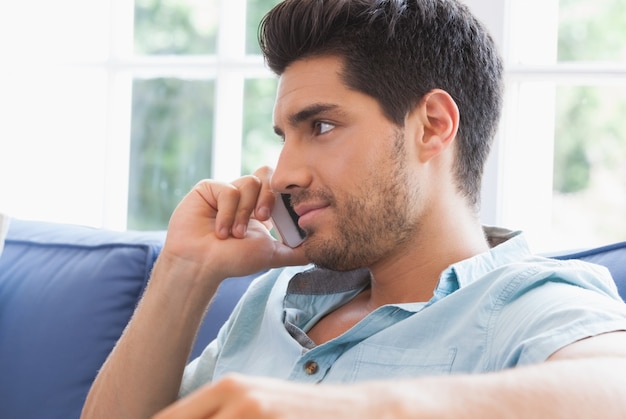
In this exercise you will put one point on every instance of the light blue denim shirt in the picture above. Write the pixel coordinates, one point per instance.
(497, 310)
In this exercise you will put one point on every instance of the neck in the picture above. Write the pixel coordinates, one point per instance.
(411, 273)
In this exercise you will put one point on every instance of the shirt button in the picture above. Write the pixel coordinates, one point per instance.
(311, 367)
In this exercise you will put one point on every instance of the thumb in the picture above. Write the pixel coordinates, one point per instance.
(284, 255)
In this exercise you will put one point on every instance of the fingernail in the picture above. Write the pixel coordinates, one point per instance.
(223, 232)
(263, 213)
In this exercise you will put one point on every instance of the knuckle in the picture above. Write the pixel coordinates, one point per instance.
(229, 192)
(243, 213)
(253, 406)
(212, 187)
(264, 171)
(230, 383)
(250, 181)
(250, 401)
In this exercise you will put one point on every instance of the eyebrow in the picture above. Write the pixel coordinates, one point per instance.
(306, 114)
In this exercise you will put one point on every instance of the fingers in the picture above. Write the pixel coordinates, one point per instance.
(198, 405)
(207, 401)
(265, 199)
(247, 197)
(235, 205)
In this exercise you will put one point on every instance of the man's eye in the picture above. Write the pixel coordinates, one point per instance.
(323, 127)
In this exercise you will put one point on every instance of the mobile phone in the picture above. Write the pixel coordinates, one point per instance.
(285, 221)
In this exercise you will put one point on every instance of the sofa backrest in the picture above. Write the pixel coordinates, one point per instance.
(66, 294)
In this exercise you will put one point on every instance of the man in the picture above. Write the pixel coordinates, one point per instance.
(387, 110)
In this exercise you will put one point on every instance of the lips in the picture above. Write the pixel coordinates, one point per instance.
(303, 209)
(308, 212)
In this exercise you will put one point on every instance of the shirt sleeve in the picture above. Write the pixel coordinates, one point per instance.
(245, 317)
(200, 370)
(552, 308)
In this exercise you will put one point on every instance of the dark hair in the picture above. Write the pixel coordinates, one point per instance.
(396, 51)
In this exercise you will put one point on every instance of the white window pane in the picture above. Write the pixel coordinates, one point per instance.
(592, 30)
(52, 145)
(564, 178)
(526, 156)
(560, 161)
(533, 29)
(589, 206)
(55, 30)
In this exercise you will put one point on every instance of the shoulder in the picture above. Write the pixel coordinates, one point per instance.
(540, 273)
(542, 305)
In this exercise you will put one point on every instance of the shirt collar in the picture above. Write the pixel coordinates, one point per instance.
(506, 246)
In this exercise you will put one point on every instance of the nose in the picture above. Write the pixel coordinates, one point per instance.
(292, 170)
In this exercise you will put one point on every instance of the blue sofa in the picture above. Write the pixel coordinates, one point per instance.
(67, 292)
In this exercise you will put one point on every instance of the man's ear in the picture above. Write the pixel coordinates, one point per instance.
(438, 115)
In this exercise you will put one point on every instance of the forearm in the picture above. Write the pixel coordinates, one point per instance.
(143, 372)
(584, 388)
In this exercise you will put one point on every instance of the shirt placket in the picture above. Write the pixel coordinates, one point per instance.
(314, 364)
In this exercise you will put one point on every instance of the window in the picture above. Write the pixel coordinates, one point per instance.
(111, 110)
(186, 126)
(562, 144)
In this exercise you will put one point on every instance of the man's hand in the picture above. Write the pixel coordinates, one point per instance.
(238, 396)
(223, 228)
(218, 231)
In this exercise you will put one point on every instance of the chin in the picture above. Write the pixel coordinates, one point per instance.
(330, 256)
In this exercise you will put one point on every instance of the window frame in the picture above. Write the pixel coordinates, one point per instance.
(505, 196)
(229, 67)
(525, 201)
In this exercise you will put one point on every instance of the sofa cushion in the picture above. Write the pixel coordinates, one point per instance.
(66, 293)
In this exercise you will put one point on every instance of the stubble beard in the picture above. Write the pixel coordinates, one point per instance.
(372, 222)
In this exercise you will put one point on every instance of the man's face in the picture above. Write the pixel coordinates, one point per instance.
(345, 166)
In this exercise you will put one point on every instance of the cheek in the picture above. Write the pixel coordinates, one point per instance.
(356, 158)
(343, 169)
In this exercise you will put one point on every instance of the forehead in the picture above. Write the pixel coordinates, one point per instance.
(312, 81)
(321, 74)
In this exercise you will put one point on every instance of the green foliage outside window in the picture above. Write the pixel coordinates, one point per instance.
(175, 27)
(261, 145)
(172, 119)
(171, 132)
(590, 123)
(256, 11)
